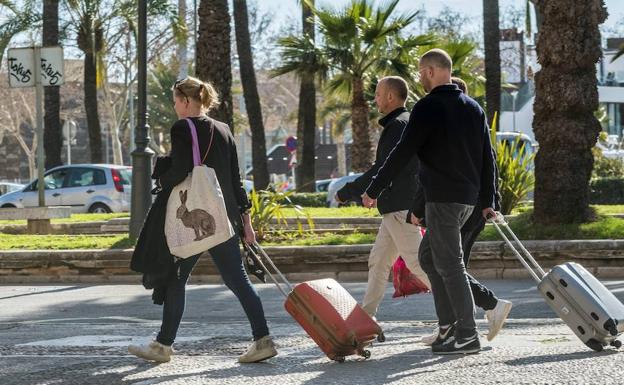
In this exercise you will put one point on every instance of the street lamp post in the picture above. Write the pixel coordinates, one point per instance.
(142, 154)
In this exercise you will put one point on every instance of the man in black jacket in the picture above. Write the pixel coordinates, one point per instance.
(496, 310)
(395, 237)
(449, 133)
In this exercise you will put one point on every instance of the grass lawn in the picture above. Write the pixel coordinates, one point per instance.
(603, 228)
(64, 242)
(525, 229)
(315, 212)
(338, 212)
(74, 218)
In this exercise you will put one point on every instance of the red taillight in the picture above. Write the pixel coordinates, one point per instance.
(117, 181)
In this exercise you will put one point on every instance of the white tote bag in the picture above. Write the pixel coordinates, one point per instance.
(196, 215)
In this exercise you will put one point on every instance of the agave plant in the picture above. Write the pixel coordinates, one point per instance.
(516, 177)
(269, 205)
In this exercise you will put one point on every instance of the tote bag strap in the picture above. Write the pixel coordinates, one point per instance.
(196, 160)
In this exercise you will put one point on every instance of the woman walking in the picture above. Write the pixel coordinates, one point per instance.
(192, 99)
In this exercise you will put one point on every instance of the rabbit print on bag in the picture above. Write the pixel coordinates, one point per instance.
(199, 220)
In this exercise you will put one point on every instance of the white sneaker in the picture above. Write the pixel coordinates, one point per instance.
(259, 350)
(154, 351)
(496, 317)
(430, 339)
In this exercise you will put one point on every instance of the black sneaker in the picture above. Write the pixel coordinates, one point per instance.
(458, 345)
(444, 334)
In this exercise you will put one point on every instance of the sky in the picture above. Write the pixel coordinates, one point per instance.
(471, 8)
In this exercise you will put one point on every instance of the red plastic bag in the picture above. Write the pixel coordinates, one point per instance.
(406, 283)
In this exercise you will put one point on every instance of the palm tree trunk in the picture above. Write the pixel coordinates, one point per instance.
(91, 108)
(182, 48)
(361, 150)
(52, 135)
(252, 98)
(306, 124)
(213, 58)
(568, 48)
(491, 42)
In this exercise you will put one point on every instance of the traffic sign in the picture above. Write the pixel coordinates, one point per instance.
(22, 71)
(291, 143)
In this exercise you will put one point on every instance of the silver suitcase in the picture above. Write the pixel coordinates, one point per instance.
(593, 313)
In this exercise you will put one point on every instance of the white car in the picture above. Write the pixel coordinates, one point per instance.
(6, 187)
(92, 188)
(335, 185)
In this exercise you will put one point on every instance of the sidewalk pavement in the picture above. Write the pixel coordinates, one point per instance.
(79, 334)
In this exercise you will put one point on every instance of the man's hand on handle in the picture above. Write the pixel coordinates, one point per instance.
(489, 213)
(368, 201)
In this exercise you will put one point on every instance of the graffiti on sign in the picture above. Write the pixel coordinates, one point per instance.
(49, 73)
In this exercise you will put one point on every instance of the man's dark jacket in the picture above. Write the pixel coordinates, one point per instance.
(401, 190)
(448, 132)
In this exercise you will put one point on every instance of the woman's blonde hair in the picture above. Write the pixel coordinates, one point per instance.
(193, 88)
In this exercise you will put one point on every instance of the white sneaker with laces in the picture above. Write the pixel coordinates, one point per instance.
(496, 317)
(154, 351)
(260, 350)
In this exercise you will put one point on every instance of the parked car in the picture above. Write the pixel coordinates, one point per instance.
(92, 188)
(322, 185)
(6, 187)
(248, 185)
(335, 185)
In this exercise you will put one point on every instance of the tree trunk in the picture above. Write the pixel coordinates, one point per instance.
(306, 124)
(250, 93)
(491, 43)
(213, 60)
(568, 48)
(182, 48)
(361, 150)
(52, 135)
(91, 108)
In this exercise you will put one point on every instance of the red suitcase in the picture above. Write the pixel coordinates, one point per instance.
(328, 313)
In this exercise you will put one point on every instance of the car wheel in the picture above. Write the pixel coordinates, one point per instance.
(99, 208)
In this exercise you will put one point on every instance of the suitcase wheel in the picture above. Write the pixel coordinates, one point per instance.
(366, 354)
(381, 337)
(616, 344)
(339, 359)
(594, 345)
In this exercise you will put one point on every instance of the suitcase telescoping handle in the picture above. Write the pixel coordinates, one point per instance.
(256, 249)
(536, 270)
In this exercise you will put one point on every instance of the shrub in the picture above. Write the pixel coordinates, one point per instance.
(607, 191)
(607, 167)
(309, 199)
(269, 205)
(516, 177)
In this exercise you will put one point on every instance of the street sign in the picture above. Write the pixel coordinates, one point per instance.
(69, 129)
(37, 67)
(21, 67)
(291, 143)
(52, 69)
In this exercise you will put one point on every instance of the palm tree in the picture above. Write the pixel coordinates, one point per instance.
(250, 93)
(21, 19)
(360, 43)
(213, 60)
(491, 43)
(306, 122)
(89, 22)
(52, 137)
(92, 20)
(568, 48)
